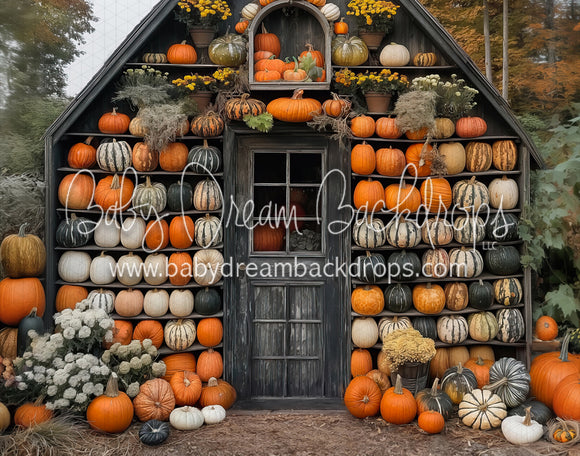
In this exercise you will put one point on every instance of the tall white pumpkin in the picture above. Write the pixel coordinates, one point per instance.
(365, 332)
(156, 303)
(181, 303)
(74, 266)
(130, 269)
(133, 232)
(107, 233)
(103, 269)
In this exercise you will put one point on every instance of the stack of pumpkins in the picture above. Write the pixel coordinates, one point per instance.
(22, 298)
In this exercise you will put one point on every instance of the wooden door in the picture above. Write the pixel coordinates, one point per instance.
(287, 329)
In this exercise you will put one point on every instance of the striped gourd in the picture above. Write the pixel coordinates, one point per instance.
(510, 380)
(102, 299)
(403, 233)
(511, 325)
(207, 266)
(369, 232)
(452, 329)
(136, 127)
(437, 231)
(204, 159)
(482, 409)
(469, 195)
(387, 325)
(482, 326)
(435, 263)
(478, 156)
(207, 195)
(502, 227)
(74, 231)
(508, 291)
(425, 59)
(456, 295)
(150, 198)
(505, 155)
(114, 156)
(468, 230)
(465, 263)
(208, 231)
(154, 57)
(237, 108)
(208, 124)
(179, 334)
(370, 268)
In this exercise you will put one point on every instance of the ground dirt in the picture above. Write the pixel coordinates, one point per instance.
(326, 433)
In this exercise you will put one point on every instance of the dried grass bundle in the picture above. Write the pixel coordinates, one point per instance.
(162, 123)
(415, 110)
(339, 125)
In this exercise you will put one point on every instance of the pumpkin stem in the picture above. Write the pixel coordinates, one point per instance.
(528, 418)
(212, 382)
(399, 385)
(366, 399)
(148, 181)
(459, 366)
(435, 386)
(264, 31)
(38, 402)
(493, 386)
(205, 143)
(73, 216)
(368, 254)
(112, 389)
(114, 113)
(564, 349)
(89, 140)
(33, 312)
(184, 42)
(297, 95)
(115, 182)
(22, 229)
(480, 361)
(309, 47)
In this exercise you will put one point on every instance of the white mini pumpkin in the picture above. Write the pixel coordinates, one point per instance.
(365, 332)
(107, 233)
(181, 303)
(330, 11)
(103, 269)
(133, 232)
(130, 269)
(520, 430)
(156, 303)
(250, 10)
(394, 55)
(213, 414)
(503, 193)
(186, 418)
(155, 269)
(74, 267)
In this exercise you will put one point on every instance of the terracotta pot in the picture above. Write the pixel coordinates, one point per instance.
(202, 36)
(373, 40)
(378, 102)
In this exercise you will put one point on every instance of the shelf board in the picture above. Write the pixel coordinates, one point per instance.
(129, 136)
(422, 246)
(93, 247)
(141, 285)
(398, 68)
(488, 277)
(498, 343)
(174, 65)
(446, 176)
(452, 139)
(65, 169)
(168, 316)
(446, 213)
(416, 313)
(131, 214)
(286, 85)
(164, 350)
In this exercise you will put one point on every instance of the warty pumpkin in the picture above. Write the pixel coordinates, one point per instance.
(22, 255)
(367, 300)
(428, 298)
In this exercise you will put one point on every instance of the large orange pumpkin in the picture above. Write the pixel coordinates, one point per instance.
(267, 42)
(210, 332)
(155, 400)
(316, 55)
(75, 191)
(209, 364)
(270, 64)
(294, 108)
(186, 387)
(114, 123)
(362, 397)
(149, 329)
(111, 412)
(181, 53)
(114, 193)
(402, 198)
(367, 300)
(68, 296)
(217, 392)
(419, 162)
(398, 406)
(174, 157)
(361, 362)
(362, 159)
(369, 193)
(362, 126)
(181, 232)
(82, 155)
(157, 234)
(18, 297)
(428, 298)
(566, 402)
(470, 127)
(177, 363)
(436, 194)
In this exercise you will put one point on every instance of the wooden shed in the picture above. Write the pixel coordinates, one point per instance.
(287, 339)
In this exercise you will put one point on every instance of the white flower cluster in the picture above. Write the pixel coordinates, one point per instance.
(85, 324)
(133, 363)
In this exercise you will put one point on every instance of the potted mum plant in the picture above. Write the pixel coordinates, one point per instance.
(202, 18)
(200, 88)
(379, 87)
(374, 19)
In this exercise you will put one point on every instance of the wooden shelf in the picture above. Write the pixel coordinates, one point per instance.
(430, 69)
(422, 246)
(129, 136)
(452, 139)
(93, 247)
(164, 350)
(168, 316)
(142, 285)
(494, 342)
(65, 169)
(175, 65)
(131, 214)
(416, 313)
(408, 177)
(488, 277)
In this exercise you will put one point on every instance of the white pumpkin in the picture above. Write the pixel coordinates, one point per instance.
(181, 303)
(155, 269)
(250, 10)
(156, 303)
(103, 269)
(107, 233)
(394, 55)
(330, 11)
(365, 332)
(503, 193)
(102, 299)
(130, 269)
(520, 430)
(207, 266)
(133, 232)
(74, 267)
(213, 414)
(186, 418)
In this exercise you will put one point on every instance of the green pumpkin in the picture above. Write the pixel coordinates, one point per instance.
(508, 291)
(370, 268)
(457, 381)
(349, 51)
(404, 266)
(435, 399)
(540, 412)
(427, 326)
(398, 298)
(205, 159)
(30, 322)
(154, 432)
(511, 325)
(503, 260)
(179, 196)
(502, 228)
(481, 295)
(74, 232)
(228, 50)
(208, 301)
(510, 380)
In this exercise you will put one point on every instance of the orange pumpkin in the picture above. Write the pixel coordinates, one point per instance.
(369, 193)
(217, 392)
(386, 127)
(259, 55)
(362, 159)
(82, 155)
(114, 193)
(114, 123)
(431, 422)
(149, 329)
(316, 55)
(367, 300)
(155, 400)
(362, 397)
(419, 162)
(336, 106)
(177, 363)
(173, 157)
(436, 194)
(398, 406)
(390, 162)
(402, 198)
(294, 108)
(470, 127)
(546, 328)
(18, 297)
(340, 27)
(210, 332)
(417, 134)
(267, 42)
(380, 378)
(209, 364)
(68, 296)
(122, 333)
(267, 75)
(294, 74)
(270, 64)
(362, 126)
(361, 362)
(157, 234)
(180, 268)
(31, 414)
(112, 411)
(181, 232)
(267, 238)
(428, 298)
(480, 368)
(322, 77)
(566, 402)
(182, 53)
(241, 26)
(75, 191)
(186, 386)
(143, 158)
